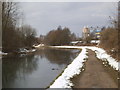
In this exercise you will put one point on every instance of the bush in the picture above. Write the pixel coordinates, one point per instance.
(110, 42)
(109, 38)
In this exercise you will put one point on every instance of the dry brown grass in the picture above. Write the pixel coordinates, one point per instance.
(109, 41)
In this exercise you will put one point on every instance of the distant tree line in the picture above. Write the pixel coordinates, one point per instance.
(14, 37)
(59, 37)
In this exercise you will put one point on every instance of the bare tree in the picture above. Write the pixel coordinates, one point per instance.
(15, 37)
(9, 21)
(9, 14)
(29, 34)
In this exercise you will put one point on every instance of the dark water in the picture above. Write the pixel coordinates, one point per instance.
(36, 70)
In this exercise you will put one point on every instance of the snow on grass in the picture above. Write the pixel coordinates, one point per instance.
(73, 69)
(102, 55)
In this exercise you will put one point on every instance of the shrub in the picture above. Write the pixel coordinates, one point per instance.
(109, 38)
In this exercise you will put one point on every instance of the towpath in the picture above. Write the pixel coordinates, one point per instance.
(96, 75)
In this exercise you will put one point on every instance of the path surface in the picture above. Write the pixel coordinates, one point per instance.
(95, 75)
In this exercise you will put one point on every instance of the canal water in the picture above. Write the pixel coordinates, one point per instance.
(36, 70)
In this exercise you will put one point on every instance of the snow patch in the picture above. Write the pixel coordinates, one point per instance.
(2, 53)
(95, 41)
(37, 46)
(23, 50)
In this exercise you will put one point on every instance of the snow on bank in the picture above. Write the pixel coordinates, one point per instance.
(2, 53)
(73, 69)
(68, 47)
(102, 55)
(25, 51)
(37, 46)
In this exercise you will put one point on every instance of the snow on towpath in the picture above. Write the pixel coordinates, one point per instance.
(73, 69)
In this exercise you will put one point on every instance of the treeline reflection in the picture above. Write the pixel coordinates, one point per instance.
(58, 56)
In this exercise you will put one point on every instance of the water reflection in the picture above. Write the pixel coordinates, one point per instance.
(58, 56)
(32, 71)
(16, 67)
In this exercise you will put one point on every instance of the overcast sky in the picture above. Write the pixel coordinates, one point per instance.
(49, 15)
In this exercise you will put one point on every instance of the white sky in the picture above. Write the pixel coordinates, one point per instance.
(46, 16)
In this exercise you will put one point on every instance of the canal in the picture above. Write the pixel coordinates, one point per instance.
(35, 70)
